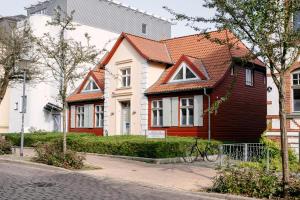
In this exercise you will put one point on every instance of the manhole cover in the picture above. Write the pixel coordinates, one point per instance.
(43, 184)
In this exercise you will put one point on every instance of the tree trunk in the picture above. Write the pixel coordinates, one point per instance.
(3, 88)
(64, 128)
(284, 140)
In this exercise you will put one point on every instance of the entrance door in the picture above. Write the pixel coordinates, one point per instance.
(56, 122)
(125, 119)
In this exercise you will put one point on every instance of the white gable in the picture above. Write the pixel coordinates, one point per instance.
(91, 86)
(184, 73)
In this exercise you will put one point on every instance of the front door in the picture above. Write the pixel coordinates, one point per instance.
(125, 119)
(56, 122)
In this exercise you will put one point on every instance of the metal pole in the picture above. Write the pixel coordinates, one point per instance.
(23, 115)
(299, 147)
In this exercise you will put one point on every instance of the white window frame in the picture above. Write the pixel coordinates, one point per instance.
(99, 114)
(187, 108)
(90, 82)
(184, 67)
(295, 86)
(127, 77)
(249, 74)
(157, 109)
(80, 116)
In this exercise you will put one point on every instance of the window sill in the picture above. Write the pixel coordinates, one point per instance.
(124, 88)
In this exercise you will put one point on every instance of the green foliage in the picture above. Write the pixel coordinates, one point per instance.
(136, 146)
(5, 147)
(247, 181)
(31, 139)
(275, 156)
(251, 180)
(51, 153)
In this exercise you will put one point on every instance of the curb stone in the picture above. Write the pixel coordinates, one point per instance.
(34, 164)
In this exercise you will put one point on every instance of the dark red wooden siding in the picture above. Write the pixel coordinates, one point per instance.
(240, 119)
(96, 131)
(243, 117)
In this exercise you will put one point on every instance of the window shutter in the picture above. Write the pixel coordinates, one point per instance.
(73, 117)
(167, 112)
(174, 111)
(88, 115)
(198, 110)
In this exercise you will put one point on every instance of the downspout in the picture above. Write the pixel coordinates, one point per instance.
(209, 114)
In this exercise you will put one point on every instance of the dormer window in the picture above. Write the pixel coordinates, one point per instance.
(91, 86)
(184, 73)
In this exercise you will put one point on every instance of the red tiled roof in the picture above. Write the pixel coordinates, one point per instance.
(213, 59)
(78, 96)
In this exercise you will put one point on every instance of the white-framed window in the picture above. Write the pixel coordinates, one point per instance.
(99, 116)
(125, 77)
(249, 77)
(296, 91)
(80, 116)
(157, 113)
(144, 28)
(184, 73)
(91, 86)
(187, 111)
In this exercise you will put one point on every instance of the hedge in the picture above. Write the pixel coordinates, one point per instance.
(136, 146)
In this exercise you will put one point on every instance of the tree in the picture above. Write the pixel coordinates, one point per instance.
(62, 56)
(267, 26)
(16, 55)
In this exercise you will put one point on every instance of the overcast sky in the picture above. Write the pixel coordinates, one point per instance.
(191, 7)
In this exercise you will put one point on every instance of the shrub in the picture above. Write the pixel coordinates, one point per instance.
(275, 156)
(136, 146)
(251, 182)
(5, 147)
(52, 154)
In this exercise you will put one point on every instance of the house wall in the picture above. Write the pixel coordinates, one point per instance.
(142, 74)
(293, 124)
(4, 113)
(94, 129)
(242, 117)
(110, 16)
(41, 93)
(184, 131)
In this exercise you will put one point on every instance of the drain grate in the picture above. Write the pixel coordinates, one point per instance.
(43, 184)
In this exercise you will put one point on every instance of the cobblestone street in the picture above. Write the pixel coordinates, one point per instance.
(20, 182)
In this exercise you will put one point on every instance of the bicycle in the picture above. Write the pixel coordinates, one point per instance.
(211, 152)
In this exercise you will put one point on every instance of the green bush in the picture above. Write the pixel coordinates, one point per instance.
(51, 153)
(275, 156)
(31, 139)
(251, 182)
(5, 147)
(136, 146)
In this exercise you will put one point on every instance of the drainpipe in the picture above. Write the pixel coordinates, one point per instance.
(209, 115)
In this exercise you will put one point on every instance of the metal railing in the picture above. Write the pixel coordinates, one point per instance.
(243, 152)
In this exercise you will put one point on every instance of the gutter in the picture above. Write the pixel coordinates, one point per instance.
(209, 114)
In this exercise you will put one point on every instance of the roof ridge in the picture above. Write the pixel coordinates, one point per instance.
(158, 41)
(195, 34)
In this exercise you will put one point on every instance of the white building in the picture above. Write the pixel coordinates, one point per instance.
(103, 20)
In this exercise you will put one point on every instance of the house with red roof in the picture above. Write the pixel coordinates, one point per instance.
(171, 85)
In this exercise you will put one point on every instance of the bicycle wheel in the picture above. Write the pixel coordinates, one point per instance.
(212, 152)
(191, 154)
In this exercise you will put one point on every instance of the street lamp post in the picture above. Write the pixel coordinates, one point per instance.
(23, 111)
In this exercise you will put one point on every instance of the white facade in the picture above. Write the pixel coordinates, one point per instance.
(38, 95)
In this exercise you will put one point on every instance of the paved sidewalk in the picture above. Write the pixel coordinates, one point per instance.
(177, 176)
